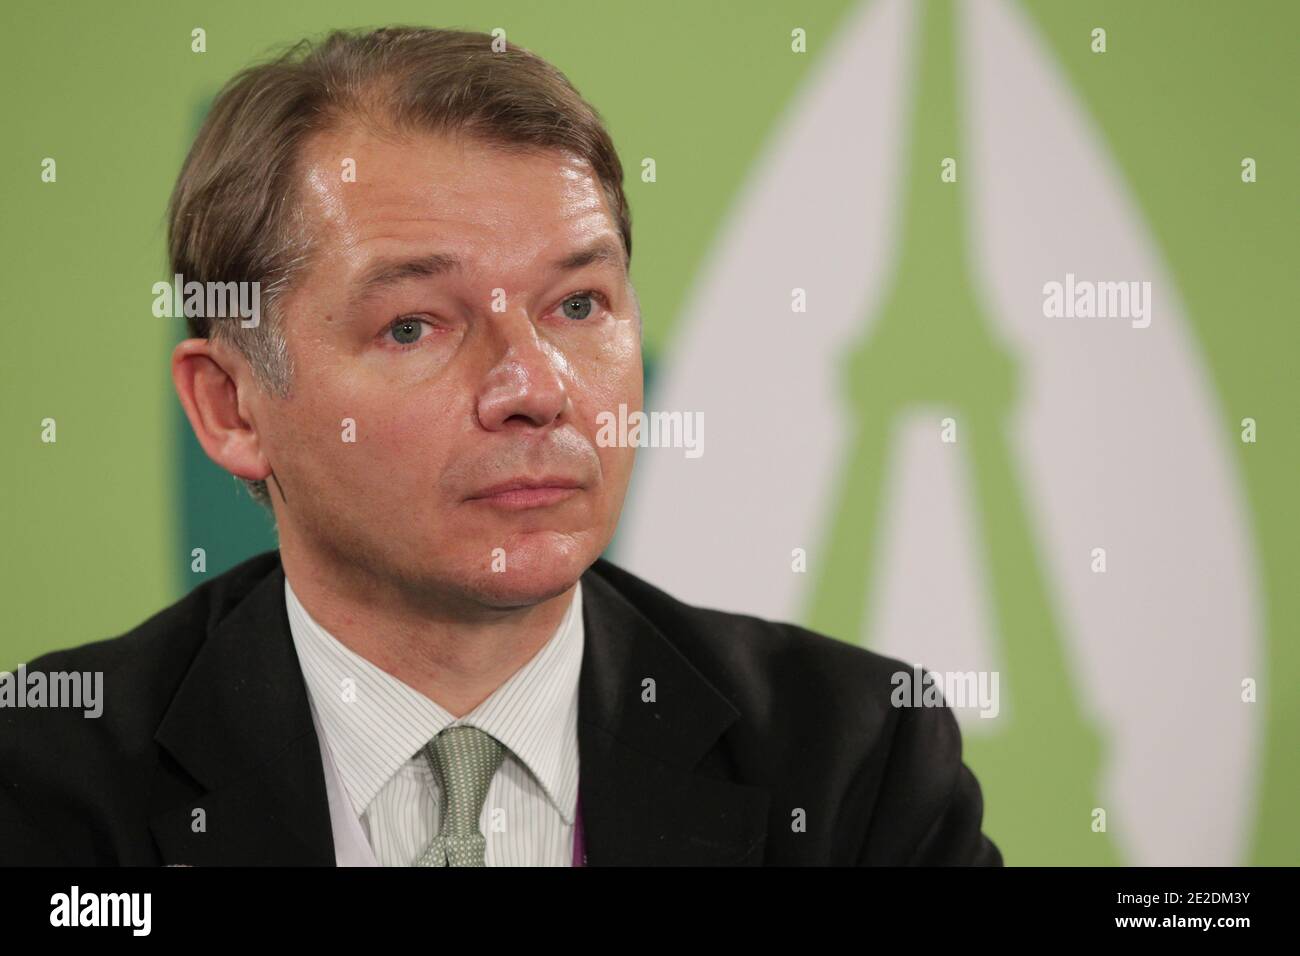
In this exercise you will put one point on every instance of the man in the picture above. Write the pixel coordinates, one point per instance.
(436, 668)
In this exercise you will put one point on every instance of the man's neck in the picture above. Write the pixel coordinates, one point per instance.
(453, 653)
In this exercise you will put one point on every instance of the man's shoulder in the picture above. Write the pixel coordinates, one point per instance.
(138, 670)
(77, 766)
(766, 666)
(812, 709)
(173, 633)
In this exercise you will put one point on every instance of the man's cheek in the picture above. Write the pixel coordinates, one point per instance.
(344, 456)
(615, 466)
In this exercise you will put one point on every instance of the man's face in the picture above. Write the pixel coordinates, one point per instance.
(458, 378)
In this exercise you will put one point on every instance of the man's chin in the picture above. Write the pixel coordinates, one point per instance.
(505, 591)
(531, 572)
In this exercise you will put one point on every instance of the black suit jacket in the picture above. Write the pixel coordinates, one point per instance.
(753, 722)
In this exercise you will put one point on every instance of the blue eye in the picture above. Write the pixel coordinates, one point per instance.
(406, 331)
(577, 299)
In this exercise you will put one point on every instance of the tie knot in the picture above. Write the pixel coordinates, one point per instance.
(465, 759)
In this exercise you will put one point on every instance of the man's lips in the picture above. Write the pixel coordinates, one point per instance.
(528, 492)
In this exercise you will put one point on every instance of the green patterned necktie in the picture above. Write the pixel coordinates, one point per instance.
(464, 759)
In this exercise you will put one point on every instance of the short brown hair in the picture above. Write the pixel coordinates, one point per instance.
(234, 215)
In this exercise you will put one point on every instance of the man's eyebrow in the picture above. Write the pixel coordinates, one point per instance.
(387, 272)
(604, 250)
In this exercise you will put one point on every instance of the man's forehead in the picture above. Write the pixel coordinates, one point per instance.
(351, 170)
(371, 193)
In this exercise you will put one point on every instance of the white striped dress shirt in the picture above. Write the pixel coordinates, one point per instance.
(384, 796)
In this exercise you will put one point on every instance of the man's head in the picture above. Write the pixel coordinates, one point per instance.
(442, 244)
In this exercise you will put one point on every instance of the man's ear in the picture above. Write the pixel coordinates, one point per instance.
(207, 378)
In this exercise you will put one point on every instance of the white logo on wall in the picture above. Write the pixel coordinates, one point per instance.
(1122, 445)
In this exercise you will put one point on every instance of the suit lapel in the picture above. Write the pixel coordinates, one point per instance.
(653, 789)
(240, 725)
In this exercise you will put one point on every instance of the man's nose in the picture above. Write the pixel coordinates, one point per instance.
(526, 384)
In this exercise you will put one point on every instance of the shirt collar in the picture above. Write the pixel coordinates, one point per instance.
(374, 723)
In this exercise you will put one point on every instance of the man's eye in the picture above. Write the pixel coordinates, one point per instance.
(578, 306)
(406, 330)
